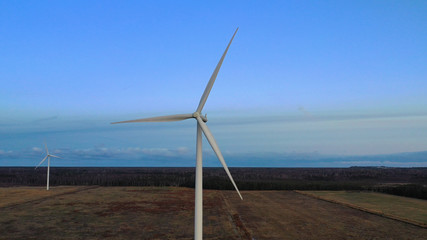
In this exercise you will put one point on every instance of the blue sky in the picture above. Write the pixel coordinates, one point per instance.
(305, 83)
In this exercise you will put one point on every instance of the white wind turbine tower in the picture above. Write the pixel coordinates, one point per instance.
(48, 164)
(201, 127)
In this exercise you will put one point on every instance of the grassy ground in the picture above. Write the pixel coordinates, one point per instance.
(402, 207)
(17, 195)
(167, 213)
(114, 213)
(290, 215)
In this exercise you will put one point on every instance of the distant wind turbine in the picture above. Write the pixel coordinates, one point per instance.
(48, 164)
(201, 127)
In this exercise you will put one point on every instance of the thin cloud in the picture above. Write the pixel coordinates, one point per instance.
(46, 119)
(103, 156)
(383, 163)
(304, 111)
(5, 153)
(36, 149)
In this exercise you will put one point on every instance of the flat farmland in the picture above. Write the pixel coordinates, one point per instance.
(19, 195)
(167, 213)
(113, 213)
(407, 209)
(290, 215)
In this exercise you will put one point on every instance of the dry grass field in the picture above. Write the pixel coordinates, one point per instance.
(19, 195)
(113, 213)
(167, 213)
(385, 204)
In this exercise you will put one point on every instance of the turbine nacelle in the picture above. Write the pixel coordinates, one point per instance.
(197, 114)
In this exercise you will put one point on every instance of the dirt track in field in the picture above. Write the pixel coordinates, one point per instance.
(167, 213)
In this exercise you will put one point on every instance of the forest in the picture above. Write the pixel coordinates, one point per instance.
(410, 182)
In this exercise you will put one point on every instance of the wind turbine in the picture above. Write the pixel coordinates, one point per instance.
(48, 164)
(201, 127)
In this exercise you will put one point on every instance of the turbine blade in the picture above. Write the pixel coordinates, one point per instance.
(218, 153)
(54, 156)
(169, 118)
(213, 77)
(41, 161)
(47, 151)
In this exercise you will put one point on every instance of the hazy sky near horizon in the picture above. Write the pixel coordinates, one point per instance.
(301, 78)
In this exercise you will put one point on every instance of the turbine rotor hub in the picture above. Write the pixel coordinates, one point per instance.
(197, 114)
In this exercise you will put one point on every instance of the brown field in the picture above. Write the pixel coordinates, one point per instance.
(167, 213)
(406, 209)
(17, 195)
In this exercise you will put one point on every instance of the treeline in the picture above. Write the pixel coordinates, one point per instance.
(412, 181)
(405, 190)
